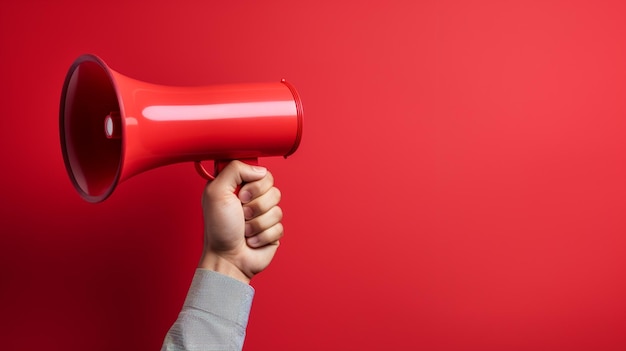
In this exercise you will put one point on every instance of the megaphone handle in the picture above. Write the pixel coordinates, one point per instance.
(219, 166)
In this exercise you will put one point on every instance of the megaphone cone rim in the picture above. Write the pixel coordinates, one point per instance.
(62, 120)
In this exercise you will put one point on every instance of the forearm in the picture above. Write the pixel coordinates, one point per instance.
(214, 315)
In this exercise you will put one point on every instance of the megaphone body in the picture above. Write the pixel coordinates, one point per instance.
(113, 127)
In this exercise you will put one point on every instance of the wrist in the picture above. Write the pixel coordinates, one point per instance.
(219, 264)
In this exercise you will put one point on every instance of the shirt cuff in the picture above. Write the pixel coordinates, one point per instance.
(220, 295)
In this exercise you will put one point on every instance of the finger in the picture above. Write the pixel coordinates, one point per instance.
(236, 173)
(267, 237)
(262, 203)
(257, 188)
(263, 222)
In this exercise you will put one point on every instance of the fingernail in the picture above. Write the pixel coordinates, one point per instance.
(259, 169)
(248, 230)
(247, 212)
(245, 196)
(253, 241)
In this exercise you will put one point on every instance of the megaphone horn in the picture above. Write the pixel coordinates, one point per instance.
(113, 127)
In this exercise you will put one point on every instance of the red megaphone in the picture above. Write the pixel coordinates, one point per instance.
(113, 127)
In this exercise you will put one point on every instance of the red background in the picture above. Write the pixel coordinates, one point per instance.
(461, 182)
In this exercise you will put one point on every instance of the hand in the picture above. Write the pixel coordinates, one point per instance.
(241, 232)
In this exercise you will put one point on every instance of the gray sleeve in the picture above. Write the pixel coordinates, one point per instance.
(214, 315)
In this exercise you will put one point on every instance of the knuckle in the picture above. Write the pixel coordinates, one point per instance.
(280, 229)
(270, 177)
(274, 233)
(277, 194)
(278, 213)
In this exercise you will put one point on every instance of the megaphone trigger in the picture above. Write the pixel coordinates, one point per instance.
(203, 172)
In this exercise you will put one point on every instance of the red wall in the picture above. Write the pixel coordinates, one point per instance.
(461, 182)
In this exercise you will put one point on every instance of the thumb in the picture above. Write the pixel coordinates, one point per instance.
(237, 173)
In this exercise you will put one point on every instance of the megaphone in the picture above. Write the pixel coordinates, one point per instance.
(113, 127)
